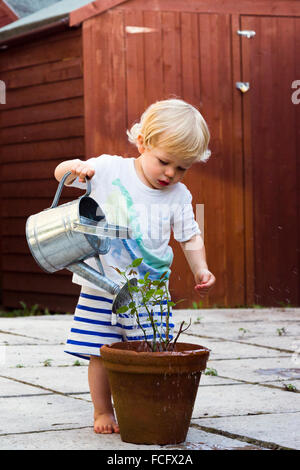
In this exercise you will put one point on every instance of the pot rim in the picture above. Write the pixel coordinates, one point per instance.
(165, 362)
(200, 350)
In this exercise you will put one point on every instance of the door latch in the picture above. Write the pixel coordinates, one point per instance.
(246, 33)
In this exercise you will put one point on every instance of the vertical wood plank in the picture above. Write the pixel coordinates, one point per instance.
(88, 46)
(296, 270)
(210, 27)
(171, 50)
(153, 58)
(235, 228)
(190, 59)
(135, 71)
(248, 169)
(104, 73)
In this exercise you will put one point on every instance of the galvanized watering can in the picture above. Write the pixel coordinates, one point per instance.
(62, 237)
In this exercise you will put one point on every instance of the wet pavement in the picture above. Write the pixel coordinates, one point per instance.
(248, 399)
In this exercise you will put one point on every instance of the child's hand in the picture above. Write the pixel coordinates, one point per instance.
(204, 281)
(83, 170)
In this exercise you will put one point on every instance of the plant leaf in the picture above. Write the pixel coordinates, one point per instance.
(122, 309)
(136, 262)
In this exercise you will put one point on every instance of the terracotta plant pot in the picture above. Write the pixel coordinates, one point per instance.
(154, 392)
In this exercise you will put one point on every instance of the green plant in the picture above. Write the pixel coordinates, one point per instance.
(290, 387)
(198, 305)
(281, 331)
(210, 371)
(47, 363)
(77, 363)
(243, 330)
(25, 311)
(147, 294)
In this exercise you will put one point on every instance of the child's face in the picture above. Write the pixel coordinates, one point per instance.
(160, 169)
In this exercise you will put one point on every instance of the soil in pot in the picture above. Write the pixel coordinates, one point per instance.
(154, 393)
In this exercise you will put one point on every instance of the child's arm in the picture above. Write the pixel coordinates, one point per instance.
(194, 251)
(78, 168)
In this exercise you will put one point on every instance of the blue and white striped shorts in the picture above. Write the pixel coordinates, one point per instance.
(93, 326)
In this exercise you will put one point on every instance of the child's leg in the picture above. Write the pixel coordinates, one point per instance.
(104, 418)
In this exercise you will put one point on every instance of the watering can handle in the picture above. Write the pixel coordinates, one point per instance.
(61, 185)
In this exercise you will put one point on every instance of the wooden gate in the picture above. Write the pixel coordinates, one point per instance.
(272, 139)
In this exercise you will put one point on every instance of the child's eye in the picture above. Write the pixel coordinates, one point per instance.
(182, 169)
(162, 162)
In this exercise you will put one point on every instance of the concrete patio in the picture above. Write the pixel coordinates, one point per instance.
(253, 403)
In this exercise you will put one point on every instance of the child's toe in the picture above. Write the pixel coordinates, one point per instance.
(116, 428)
(107, 429)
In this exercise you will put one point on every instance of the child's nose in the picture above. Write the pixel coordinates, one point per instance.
(170, 172)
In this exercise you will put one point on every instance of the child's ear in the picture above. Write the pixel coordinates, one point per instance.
(140, 144)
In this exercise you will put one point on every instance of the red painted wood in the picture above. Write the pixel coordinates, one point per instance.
(105, 111)
(192, 59)
(246, 7)
(62, 46)
(153, 65)
(53, 111)
(135, 72)
(39, 283)
(41, 125)
(7, 15)
(91, 9)
(52, 130)
(60, 149)
(61, 303)
(190, 50)
(45, 93)
(57, 71)
(270, 60)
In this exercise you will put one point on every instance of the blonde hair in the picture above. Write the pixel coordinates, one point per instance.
(176, 127)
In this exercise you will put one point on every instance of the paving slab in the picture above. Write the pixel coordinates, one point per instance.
(240, 331)
(11, 388)
(13, 339)
(43, 412)
(284, 343)
(36, 356)
(60, 379)
(244, 399)
(257, 370)
(48, 328)
(226, 349)
(279, 429)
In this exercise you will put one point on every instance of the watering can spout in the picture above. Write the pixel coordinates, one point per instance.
(122, 293)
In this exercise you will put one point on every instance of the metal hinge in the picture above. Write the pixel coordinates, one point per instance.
(243, 86)
(248, 34)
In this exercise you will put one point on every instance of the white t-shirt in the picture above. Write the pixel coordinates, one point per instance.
(149, 213)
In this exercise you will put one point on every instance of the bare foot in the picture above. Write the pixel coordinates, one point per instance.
(105, 423)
